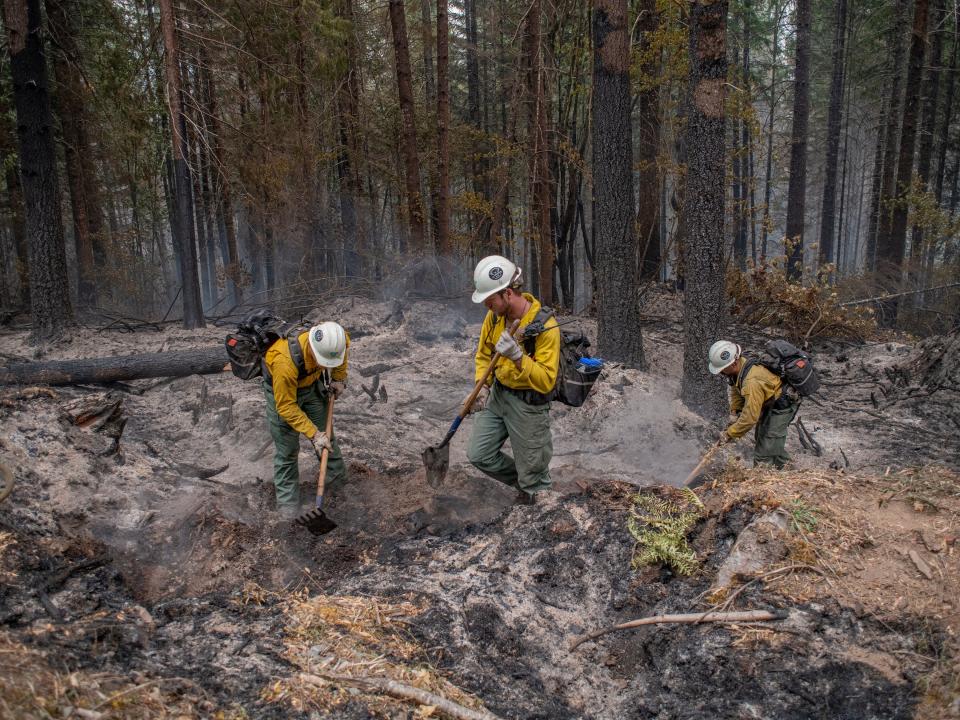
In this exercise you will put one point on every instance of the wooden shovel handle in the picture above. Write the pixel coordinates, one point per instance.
(703, 461)
(468, 403)
(325, 454)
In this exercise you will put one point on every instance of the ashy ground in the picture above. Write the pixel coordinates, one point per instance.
(143, 572)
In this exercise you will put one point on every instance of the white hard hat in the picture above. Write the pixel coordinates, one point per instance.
(723, 353)
(493, 274)
(328, 341)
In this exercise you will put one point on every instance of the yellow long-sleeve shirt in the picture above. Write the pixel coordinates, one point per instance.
(538, 373)
(748, 396)
(286, 380)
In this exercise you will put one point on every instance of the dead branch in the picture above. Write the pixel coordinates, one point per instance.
(683, 618)
(402, 692)
(896, 295)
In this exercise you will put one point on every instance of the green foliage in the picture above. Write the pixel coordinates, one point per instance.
(660, 527)
(803, 517)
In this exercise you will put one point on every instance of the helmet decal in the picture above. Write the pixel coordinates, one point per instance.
(317, 335)
(496, 273)
(725, 355)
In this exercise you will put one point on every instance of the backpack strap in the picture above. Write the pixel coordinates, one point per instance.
(539, 320)
(737, 382)
(296, 354)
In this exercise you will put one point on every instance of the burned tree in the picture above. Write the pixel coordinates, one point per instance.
(619, 333)
(703, 307)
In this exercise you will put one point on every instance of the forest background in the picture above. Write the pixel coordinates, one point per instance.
(190, 160)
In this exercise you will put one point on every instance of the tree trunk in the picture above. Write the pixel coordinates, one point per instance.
(747, 193)
(540, 233)
(834, 122)
(765, 225)
(49, 287)
(616, 271)
(931, 96)
(183, 203)
(116, 368)
(890, 253)
(943, 131)
(408, 137)
(704, 296)
(443, 126)
(70, 109)
(648, 147)
(876, 191)
(894, 111)
(797, 191)
(18, 230)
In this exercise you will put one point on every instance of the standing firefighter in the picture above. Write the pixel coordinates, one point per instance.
(516, 402)
(760, 399)
(300, 373)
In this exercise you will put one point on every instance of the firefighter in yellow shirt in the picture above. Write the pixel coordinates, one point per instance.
(300, 374)
(759, 399)
(516, 402)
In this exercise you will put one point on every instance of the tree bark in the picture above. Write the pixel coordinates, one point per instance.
(183, 203)
(62, 15)
(616, 270)
(704, 296)
(18, 230)
(408, 137)
(443, 126)
(648, 147)
(894, 114)
(116, 368)
(49, 287)
(890, 253)
(797, 190)
(541, 233)
(765, 225)
(834, 121)
(943, 130)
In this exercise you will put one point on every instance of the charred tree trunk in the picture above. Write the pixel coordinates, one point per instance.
(183, 203)
(931, 96)
(443, 126)
(70, 108)
(797, 191)
(540, 233)
(704, 296)
(890, 254)
(615, 253)
(648, 147)
(772, 102)
(14, 202)
(117, 368)
(894, 112)
(398, 23)
(943, 130)
(834, 122)
(49, 287)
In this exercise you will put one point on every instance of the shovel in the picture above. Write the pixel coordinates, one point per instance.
(436, 458)
(707, 457)
(316, 521)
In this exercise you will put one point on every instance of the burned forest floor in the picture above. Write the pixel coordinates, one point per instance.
(145, 574)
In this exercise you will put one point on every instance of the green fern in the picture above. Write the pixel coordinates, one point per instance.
(660, 528)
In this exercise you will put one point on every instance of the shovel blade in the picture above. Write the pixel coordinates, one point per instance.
(316, 522)
(436, 460)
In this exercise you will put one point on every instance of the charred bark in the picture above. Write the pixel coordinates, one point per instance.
(797, 190)
(834, 121)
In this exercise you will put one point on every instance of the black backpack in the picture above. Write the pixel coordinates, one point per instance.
(792, 365)
(578, 370)
(255, 334)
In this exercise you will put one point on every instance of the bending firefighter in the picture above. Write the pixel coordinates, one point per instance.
(759, 399)
(516, 402)
(300, 373)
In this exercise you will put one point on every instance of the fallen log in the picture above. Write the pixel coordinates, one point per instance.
(205, 361)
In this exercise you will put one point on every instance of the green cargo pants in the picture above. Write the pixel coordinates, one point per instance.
(527, 426)
(771, 434)
(286, 471)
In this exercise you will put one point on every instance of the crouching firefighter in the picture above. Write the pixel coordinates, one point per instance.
(301, 372)
(515, 404)
(760, 399)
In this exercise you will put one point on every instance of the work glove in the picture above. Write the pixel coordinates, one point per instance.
(337, 387)
(724, 438)
(508, 347)
(319, 442)
(481, 402)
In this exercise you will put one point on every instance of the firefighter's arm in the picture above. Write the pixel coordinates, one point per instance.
(539, 373)
(736, 400)
(753, 398)
(285, 394)
(484, 355)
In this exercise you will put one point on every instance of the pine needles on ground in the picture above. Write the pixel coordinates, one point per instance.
(660, 526)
